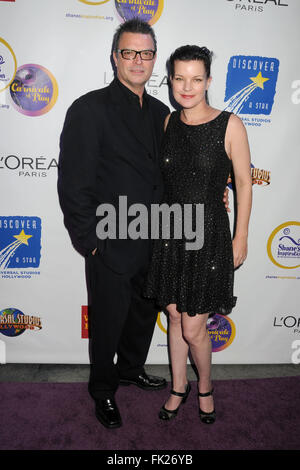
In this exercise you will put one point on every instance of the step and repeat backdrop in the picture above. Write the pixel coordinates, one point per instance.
(53, 51)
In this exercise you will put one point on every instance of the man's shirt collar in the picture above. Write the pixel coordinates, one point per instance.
(131, 96)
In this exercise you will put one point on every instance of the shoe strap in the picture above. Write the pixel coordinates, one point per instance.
(206, 394)
(181, 394)
(178, 394)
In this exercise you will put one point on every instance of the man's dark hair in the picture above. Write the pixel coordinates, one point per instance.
(133, 26)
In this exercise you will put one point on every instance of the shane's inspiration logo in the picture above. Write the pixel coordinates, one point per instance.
(93, 2)
(8, 64)
(20, 242)
(146, 10)
(34, 90)
(251, 84)
(283, 245)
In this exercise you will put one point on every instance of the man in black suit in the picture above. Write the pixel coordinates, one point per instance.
(109, 148)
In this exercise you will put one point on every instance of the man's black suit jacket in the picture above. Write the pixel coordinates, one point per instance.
(102, 157)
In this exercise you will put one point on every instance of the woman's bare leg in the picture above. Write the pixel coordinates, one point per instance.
(178, 354)
(195, 333)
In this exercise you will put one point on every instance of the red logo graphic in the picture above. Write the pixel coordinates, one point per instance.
(84, 322)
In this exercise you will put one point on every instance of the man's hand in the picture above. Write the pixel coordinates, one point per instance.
(226, 200)
(94, 251)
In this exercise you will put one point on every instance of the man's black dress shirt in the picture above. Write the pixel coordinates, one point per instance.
(140, 115)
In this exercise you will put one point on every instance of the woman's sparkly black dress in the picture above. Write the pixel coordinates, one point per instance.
(195, 169)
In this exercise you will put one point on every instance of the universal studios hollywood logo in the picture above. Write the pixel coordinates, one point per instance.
(251, 87)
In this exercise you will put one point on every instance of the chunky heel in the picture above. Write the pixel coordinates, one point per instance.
(210, 417)
(166, 414)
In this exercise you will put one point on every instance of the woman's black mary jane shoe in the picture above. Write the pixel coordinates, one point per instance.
(207, 418)
(166, 414)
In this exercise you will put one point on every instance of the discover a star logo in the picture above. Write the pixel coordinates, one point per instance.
(20, 242)
(22, 238)
(251, 84)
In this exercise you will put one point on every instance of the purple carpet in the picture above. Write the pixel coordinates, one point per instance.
(255, 414)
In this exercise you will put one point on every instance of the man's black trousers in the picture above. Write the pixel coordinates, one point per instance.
(121, 321)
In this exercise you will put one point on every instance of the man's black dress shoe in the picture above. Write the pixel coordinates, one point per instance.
(107, 413)
(146, 382)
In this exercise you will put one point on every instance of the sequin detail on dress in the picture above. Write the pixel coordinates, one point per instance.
(195, 169)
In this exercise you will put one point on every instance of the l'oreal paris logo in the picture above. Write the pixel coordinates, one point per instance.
(256, 6)
(288, 321)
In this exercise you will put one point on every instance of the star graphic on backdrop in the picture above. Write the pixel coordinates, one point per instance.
(259, 80)
(22, 237)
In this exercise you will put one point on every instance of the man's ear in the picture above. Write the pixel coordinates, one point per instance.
(115, 59)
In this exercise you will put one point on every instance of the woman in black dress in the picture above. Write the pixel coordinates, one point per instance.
(202, 145)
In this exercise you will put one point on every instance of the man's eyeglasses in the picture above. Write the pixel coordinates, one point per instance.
(130, 54)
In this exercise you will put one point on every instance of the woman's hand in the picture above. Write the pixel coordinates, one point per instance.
(226, 199)
(240, 250)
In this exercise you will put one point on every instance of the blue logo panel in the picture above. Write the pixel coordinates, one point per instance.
(20, 242)
(251, 84)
